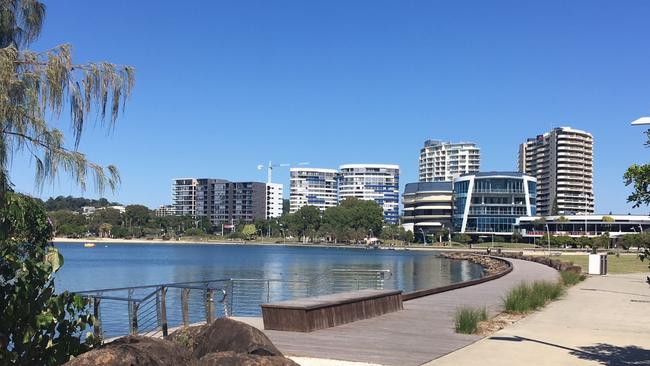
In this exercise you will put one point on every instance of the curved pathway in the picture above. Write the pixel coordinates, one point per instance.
(423, 331)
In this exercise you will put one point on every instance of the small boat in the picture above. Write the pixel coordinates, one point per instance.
(89, 245)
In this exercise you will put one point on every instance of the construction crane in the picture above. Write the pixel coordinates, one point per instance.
(270, 166)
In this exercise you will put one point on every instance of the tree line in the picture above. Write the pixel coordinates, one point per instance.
(352, 221)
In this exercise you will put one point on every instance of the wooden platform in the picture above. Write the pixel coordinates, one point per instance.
(423, 331)
(321, 312)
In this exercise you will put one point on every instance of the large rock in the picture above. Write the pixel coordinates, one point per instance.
(224, 335)
(135, 351)
(243, 359)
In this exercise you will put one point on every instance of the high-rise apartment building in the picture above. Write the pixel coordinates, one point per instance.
(274, 193)
(562, 162)
(222, 201)
(313, 187)
(378, 182)
(444, 161)
(184, 196)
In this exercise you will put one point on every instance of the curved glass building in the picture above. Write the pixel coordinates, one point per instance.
(491, 202)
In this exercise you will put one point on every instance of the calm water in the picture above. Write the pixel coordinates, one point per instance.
(122, 265)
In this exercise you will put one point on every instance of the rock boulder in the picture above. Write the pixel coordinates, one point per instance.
(243, 359)
(224, 335)
(135, 351)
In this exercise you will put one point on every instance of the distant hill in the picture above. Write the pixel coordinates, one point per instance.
(75, 203)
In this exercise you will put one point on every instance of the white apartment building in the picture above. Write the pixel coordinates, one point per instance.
(313, 187)
(562, 162)
(184, 196)
(444, 161)
(274, 193)
(164, 210)
(378, 182)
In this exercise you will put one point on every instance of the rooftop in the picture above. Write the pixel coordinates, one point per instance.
(428, 187)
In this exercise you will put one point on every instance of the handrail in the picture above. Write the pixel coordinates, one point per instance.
(147, 313)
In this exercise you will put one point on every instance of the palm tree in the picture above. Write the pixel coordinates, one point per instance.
(35, 85)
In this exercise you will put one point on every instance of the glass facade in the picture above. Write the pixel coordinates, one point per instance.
(495, 202)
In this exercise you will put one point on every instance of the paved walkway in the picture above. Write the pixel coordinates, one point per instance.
(423, 331)
(602, 321)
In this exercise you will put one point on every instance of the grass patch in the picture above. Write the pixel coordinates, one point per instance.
(625, 263)
(529, 297)
(467, 319)
(571, 278)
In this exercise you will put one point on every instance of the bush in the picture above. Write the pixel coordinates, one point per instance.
(467, 319)
(526, 297)
(570, 278)
(37, 325)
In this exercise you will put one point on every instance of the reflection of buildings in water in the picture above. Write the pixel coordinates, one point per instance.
(422, 272)
(465, 271)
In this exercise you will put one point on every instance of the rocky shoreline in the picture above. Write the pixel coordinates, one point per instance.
(490, 266)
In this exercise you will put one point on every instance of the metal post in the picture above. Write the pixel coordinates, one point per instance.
(163, 310)
(268, 291)
(134, 324)
(209, 306)
(548, 237)
(158, 317)
(185, 306)
(97, 326)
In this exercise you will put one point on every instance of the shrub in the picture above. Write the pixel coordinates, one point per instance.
(37, 325)
(467, 319)
(570, 278)
(526, 297)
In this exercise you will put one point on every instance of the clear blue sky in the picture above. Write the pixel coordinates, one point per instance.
(225, 85)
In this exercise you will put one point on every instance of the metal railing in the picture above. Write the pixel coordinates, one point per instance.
(155, 309)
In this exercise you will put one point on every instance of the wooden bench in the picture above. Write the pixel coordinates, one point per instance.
(313, 313)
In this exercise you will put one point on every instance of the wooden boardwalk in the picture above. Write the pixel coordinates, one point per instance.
(423, 331)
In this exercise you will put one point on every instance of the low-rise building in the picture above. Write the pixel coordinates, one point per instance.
(583, 225)
(492, 202)
(427, 208)
(164, 210)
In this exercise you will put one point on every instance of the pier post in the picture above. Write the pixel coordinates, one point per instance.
(209, 306)
(163, 310)
(97, 326)
(185, 306)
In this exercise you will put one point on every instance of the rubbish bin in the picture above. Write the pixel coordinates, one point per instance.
(597, 264)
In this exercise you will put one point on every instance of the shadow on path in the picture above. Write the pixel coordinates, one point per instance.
(605, 354)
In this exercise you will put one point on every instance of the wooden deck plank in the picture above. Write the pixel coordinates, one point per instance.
(423, 331)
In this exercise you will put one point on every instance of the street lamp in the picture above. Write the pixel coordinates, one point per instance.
(548, 238)
(641, 121)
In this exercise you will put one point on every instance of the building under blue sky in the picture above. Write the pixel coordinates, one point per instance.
(224, 86)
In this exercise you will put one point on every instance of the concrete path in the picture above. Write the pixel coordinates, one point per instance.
(602, 321)
(423, 331)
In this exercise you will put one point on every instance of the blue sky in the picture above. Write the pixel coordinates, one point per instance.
(225, 85)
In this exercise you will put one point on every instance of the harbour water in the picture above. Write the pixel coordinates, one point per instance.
(123, 265)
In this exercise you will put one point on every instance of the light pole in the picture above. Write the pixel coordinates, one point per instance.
(548, 238)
